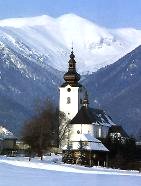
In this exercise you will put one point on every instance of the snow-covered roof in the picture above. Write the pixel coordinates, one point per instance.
(6, 134)
(96, 146)
(92, 143)
(83, 137)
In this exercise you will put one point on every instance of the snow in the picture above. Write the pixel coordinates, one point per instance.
(92, 143)
(83, 137)
(4, 133)
(19, 171)
(94, 45)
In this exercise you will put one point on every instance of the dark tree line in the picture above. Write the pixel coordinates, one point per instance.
(122, 154)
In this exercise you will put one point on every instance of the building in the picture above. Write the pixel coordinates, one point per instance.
(84, 124)
(116, 132)
(7, 141)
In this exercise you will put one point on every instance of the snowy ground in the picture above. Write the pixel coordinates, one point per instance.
(50, 172)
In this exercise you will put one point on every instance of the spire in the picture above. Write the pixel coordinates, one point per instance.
(72, 77)
(86, 100)
(72, 61)
(72, 56)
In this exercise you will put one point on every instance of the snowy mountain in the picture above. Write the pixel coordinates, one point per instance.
(117, 89)
(94, 46)
(25, 79)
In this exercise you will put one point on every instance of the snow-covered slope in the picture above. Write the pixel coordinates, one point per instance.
(94, 45)
(25, 78)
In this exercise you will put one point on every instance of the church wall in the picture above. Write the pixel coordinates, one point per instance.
(100, 131)
(96, 131)
(81, 129)
(69, 101)
(105, 130)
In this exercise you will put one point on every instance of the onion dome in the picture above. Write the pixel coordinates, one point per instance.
(72, 77)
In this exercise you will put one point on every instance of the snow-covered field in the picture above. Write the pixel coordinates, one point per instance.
(51, 172)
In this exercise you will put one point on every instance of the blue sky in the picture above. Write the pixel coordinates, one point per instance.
(109, 13)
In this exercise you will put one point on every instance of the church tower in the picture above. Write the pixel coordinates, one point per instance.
(72, 93)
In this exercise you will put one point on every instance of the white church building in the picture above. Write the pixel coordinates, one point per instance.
(85, 125)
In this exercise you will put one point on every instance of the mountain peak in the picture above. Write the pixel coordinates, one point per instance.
(53, 38)
(27, 21)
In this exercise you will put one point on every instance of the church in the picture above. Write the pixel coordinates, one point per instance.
(83, 126)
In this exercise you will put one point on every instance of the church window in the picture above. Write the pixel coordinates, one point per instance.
(68, 100)
(100, 132)
(68, 89)
(78, 132)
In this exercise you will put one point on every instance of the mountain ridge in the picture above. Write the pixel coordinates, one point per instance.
(53, 37)
(116, 88)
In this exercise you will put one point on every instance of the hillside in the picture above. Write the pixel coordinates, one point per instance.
(24, 81)
(117, 89)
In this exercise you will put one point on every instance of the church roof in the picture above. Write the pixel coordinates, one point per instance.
(84, 137)
(93, 143)
(87, 115)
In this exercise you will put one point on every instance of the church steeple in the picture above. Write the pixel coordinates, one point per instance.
(72, 77)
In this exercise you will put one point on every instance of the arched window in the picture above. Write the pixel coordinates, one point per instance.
(68, 100)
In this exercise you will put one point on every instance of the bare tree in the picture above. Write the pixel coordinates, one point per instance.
(41, 131)
(64, 129)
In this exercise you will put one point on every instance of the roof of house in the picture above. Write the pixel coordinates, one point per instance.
(118, 129)
(87, 115)
(84, 137)
(6, 134)
(93, 143)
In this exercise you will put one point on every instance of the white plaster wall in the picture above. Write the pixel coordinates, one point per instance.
(96, 130)
(100, 131)
(105, 130)
(75, 95)
(83, 128)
